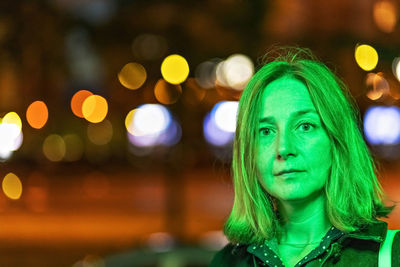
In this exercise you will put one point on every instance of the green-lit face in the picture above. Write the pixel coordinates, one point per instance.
(291, 136)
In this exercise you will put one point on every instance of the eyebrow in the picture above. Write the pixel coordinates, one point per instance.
(295, 114)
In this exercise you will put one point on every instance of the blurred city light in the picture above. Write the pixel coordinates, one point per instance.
(385, 15)
(148, 119)
(151, 125)
(377, 85)
(14, 124)
(205, 73)
(132, 76)
(73, 147)
(219, 125)
(77, 101)
(366, 57)
(396, 68)
(54, 147)
(37, 114)
(12, 186)
(225, 115)
(100, 133)
(382, 125)
(237, 70)
(167, 93)
(11, 136)
(95, 108)
(149, 46)
(175, 69)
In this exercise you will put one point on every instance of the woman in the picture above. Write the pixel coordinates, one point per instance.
(306, 190)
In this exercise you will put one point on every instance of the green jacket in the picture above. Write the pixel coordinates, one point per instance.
(337, 248)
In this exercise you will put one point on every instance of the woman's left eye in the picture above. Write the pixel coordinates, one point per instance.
(306, 126)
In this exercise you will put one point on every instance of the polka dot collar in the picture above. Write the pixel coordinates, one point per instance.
(268, 253)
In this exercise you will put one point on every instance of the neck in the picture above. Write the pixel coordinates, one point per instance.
(303, 221)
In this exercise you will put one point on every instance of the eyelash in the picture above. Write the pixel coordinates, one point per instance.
(303, 123)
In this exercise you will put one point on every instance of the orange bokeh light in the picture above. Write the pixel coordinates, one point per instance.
(77, 102)
(37, 114)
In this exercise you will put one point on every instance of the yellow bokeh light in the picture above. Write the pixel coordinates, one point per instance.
(100, 133)
(12, 186)
(132, 76)
(366, 57)
(95, 108)
(37, 114)
(175, 69)
(12, 118)
(129, 121)
(54, 147)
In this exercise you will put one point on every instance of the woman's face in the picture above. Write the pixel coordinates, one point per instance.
(291, 137)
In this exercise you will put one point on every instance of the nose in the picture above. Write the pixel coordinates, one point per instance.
(285, 145)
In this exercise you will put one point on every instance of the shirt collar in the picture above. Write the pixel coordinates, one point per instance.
(269, 251)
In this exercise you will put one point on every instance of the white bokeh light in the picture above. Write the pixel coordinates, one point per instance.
(396, 67)
(225, 115)
(150, 119)
(238, 69)
(382, 125)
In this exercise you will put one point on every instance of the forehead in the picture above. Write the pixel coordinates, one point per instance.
(284, 96)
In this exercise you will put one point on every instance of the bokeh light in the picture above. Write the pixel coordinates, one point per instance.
(11, 136)
(385, 15)
(366, 57)
(377, 85)
(205, 73)
(77, 102)
(382, 125)
(73, 147)
(219, 125)
(132, 76)
(151, 125)
(37, 114)
(54, 147)
(225, 115)
(237, 70)
(14, 123)
(95, 108)
(396, 67)
(12, 186)
(100, 133)
(167, 93)
(175, 69)
(8, 141)
(148, 119)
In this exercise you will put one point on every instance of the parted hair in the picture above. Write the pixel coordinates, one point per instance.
(353, 193)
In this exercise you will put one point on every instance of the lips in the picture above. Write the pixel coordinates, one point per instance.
(287, 171)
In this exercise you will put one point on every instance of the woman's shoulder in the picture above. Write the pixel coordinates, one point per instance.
(231, 255)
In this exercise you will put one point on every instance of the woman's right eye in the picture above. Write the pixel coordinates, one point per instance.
(264, 131)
